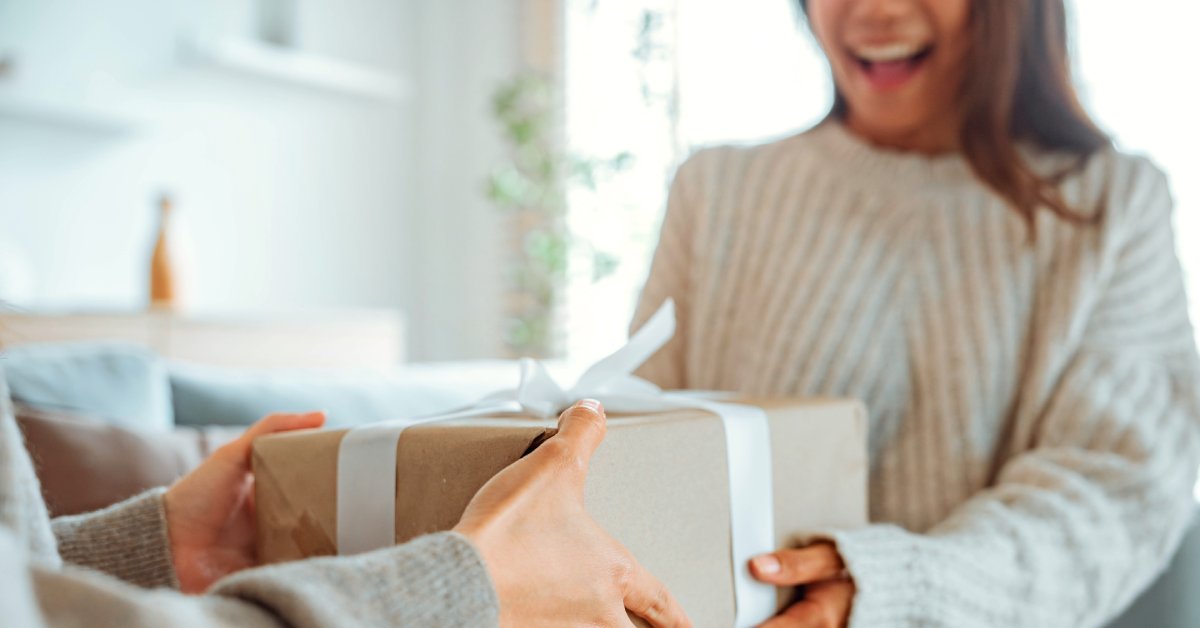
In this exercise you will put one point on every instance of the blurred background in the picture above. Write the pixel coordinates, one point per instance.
(471, 178)
(211, 210)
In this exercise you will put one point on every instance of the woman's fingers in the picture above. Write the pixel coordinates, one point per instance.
(834, 598)
(284, 423)
(826, 604)
(789, 567)
(581, 429)
(649, 599)
(238, 451)
(802, 614)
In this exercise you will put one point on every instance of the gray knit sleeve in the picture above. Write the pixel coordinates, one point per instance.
(435, 581)
(127, 540)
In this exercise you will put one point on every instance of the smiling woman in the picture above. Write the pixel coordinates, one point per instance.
(979, 77)
(901, 66)
(1034, 401)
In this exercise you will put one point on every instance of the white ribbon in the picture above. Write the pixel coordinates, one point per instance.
(366, 490)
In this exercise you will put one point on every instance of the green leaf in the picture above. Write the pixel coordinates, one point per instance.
(603, 265)
(622, 161)
(584, 171)
(548, 249)
(509, 188)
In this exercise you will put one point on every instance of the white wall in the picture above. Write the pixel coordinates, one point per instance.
(291, 198)
(467, 48)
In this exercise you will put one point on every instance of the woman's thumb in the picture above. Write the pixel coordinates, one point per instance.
(581, 427)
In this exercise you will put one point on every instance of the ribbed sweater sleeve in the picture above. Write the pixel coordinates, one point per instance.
(1079, 522)
(1081, 519)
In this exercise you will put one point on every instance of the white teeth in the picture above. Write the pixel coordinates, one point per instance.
(888, 52)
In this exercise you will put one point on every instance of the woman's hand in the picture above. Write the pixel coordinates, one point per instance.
(828, 591)
(210, 511)
(551, 563)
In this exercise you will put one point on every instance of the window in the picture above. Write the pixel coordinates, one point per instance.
(658, 79)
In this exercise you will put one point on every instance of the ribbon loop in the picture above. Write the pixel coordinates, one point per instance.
(624, 361)
(538, 393)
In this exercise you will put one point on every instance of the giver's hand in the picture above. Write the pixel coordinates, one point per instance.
(551, 563)
(828, 592)
(210, 511)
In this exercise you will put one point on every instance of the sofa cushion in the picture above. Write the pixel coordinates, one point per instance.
(204, 395)
(1170, 602)
(122, 384)
(85, 463)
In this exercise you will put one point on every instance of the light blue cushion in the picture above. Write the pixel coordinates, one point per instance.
(204, 395)
(125, 385)
(1171, 602)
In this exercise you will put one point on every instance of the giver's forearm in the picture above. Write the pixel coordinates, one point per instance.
(438, 580)
(127, 540)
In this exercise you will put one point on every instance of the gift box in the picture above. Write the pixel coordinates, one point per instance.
(659, 483)
(692, 484)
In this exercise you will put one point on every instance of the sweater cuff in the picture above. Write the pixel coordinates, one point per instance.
(892, 587)
(127, 540)
(435, 580)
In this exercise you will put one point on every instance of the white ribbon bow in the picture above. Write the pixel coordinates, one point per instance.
(366, 495)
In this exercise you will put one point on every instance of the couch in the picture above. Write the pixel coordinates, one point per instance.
(105, 421)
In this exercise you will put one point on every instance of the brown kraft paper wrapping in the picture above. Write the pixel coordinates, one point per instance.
(658, 483)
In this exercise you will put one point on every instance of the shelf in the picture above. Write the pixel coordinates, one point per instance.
(371, 338)
(77, 115)
(298, 68)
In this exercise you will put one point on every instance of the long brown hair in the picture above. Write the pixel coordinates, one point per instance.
(1018, 88)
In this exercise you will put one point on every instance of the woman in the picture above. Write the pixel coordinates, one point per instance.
(959, 246)
(524, 554)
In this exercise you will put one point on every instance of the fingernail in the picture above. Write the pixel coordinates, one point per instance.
(766, 564)
(590, 403)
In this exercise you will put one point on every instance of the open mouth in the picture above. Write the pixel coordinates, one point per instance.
(891, 65)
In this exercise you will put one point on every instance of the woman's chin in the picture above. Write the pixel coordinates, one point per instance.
(890, 126)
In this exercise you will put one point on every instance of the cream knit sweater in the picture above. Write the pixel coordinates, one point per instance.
(1034, 408)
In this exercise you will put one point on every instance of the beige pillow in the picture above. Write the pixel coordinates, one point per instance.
(85, 464)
